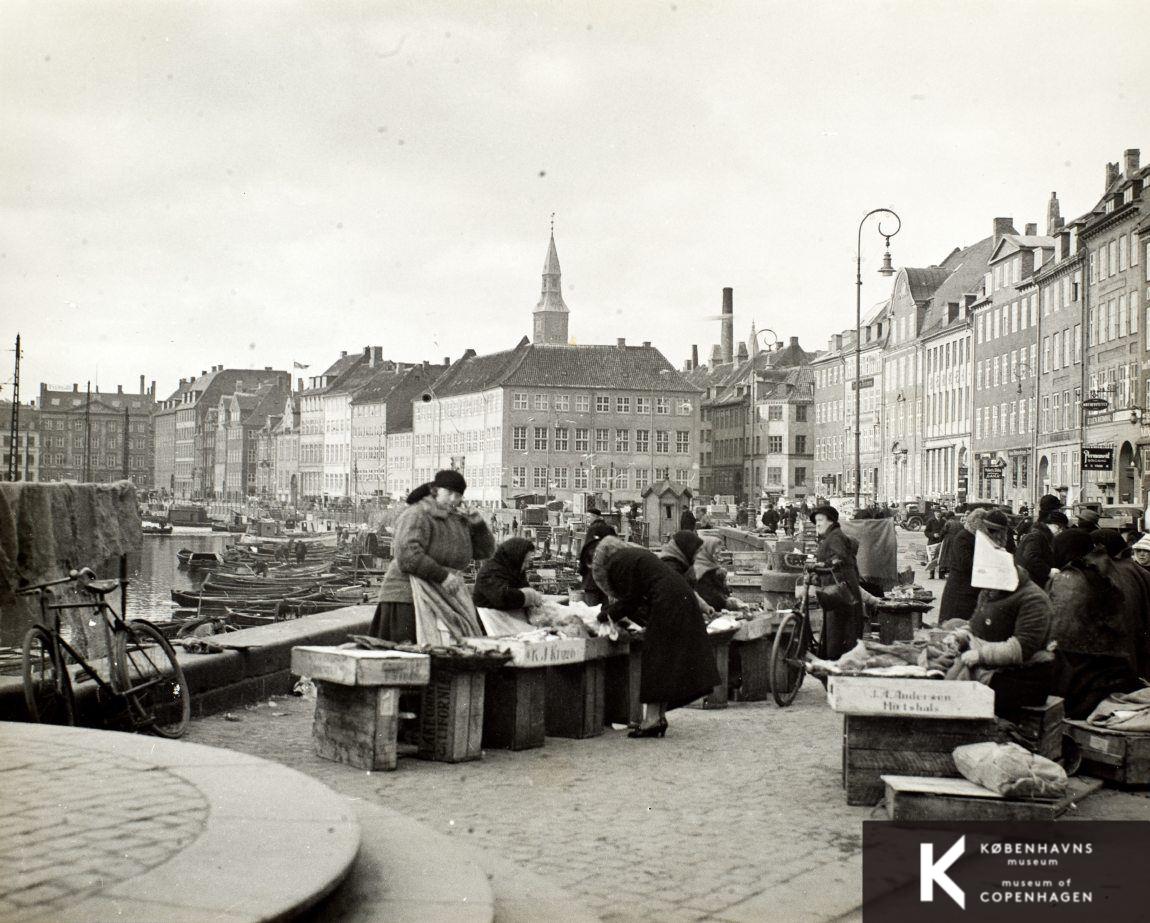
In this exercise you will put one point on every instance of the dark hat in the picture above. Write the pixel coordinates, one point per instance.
(1049, 502)
(1070, 546)
(1088, 517)
(829, 511)
(592, 511)
(1111, 540)
(1056, 518)
(688, 542)
(996, 520)
(449, 480)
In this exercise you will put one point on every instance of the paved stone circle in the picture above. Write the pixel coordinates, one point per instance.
(77, 821)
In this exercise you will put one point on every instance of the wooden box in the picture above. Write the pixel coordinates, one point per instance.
(897, 626)
(919, 798)
(356, 725)
(350, 666)
(621, 704)
(874, 746)
(922, 698)
(1112, 755)
(514, 709)
(451, 719)
(575, 699)
(1040, 727)
(721, 649)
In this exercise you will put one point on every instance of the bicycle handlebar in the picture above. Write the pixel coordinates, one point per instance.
(82, 576)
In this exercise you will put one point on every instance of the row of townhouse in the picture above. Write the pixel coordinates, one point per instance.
(1018, 366)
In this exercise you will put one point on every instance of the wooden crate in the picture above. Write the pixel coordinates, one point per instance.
(919, 798)
(356, 725)
(1112, 755)
(575, 699)
(897, 626)
(451, 718)
(349, 666)
(514, 709)
(874, 746)
(721, 648)
(621, 704)
(1040, 727)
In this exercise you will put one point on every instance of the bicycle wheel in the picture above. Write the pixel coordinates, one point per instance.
(787, 668)
(47, 683)
(152, 680)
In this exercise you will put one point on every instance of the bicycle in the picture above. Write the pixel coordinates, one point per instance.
(144, 676)
(794, 637)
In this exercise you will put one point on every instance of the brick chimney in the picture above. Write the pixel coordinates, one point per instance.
(1054, 220)
(1130, 161)
(1032, 229)
(694, 355)
(1112, 174)
(795, 342)
(1002, 227)
(716, 355)
(646, 344)
(727, 338)
(744, 354)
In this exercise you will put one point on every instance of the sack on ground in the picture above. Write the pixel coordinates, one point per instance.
(1011, 771)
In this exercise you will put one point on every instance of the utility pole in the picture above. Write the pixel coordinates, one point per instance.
(88, 434)
(13, 457)
(127, 420)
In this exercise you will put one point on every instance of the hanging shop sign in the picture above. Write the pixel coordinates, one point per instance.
(1095, 404)
(864, 383)
(1097, 458)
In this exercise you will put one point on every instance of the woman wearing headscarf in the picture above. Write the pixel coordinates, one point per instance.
(678, 665)
(598, 530)
(679, 553)
(842, 608)
(1008, 634)
(711, 578)
(434, 541)
(958, 597)
(502, 580)
(1095, 655)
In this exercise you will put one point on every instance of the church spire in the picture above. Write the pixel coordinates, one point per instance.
(550, 315)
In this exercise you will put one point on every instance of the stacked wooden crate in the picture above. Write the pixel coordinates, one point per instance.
(1040, 728)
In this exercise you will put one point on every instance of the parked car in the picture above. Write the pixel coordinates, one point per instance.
(1113, 516)
(913, 515)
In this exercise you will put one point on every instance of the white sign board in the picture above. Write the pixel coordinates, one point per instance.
(993, 566)
(554, 653)
(910, 698)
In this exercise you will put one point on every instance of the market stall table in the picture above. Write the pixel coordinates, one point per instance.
(750, 657)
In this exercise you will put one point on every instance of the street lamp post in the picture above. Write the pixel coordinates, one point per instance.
(886, 270)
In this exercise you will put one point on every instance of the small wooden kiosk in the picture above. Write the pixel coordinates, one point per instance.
(663, 504)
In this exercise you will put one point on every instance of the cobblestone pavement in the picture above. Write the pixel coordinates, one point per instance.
(738, 814)
(76, 822)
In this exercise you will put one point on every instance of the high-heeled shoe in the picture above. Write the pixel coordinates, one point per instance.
(655, 730)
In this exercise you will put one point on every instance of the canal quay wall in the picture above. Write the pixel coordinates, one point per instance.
(255, 664)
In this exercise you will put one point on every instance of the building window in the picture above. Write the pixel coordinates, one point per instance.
(602, 440)
(602, 403)
(562, 402)
(800, 445)
(774, 411)
(642, 478)
(581, 439)
(642, 440)
(580, 478)
(519, 401)
(582, 403)
(682, 476)
(663, 406)
(600, 477)
(540, 438)
(642, 405)
(560, 439)
(519, 438)
(774, 445)
(622, 405)
(774, 476)
(539, 477)
(542, 402)
(682, 441)
(519, 476)
(800, 413)
(662, 441)
(561, 478)
(622, 440)
(662, 474)
(800, 477)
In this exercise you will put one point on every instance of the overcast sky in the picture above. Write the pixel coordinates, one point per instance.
(253, 184)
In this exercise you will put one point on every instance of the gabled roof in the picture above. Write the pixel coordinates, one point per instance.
(1012, 243)
(665, 486)
(378, 386)
(969, 266)
(336, 370)
(631, 368)
(922, 282)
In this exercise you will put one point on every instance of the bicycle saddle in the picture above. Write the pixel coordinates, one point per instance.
(102, 587)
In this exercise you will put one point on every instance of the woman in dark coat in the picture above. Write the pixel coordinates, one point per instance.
(502, 580)
(711, 579)
(679, 553)
(678, 664)
(1095, 654)
(842, 619)
(687, 520)
(959, 598)
(434, 541)
(950, 529)
(596, 532)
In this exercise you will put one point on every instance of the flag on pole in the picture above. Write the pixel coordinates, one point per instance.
(298, 365)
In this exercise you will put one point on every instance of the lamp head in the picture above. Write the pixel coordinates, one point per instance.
(886, 269)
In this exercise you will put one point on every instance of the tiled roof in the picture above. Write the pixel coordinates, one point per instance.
(666, 486)
(923, 282)
(969, 266)
(378, 386)
(414, 383)
(634, 368)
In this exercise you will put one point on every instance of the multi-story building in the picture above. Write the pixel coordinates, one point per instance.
(947, 375)
(1142, 460)
(831, 432)
(1005, 355)
(1116, 347)
(27, 448)
(285, 438)
(381, 424)
(241, 417)
(340, 468)
(545, 419)
(85, 436)
(313, 425)
(186, 425)
(1058, 390)
(903, 395)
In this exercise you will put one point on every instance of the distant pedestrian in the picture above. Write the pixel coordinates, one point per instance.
(514, 526)
(932, 529)
(790, 517)
(300, 552)
(687, 520)
(771, 520)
